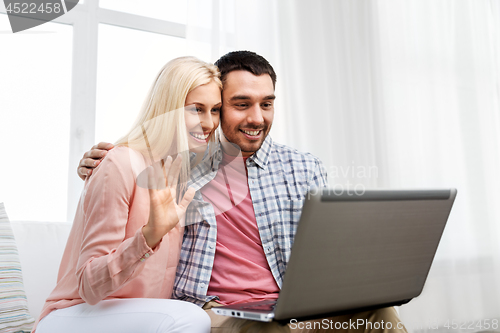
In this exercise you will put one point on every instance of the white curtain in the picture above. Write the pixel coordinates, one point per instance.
(440, 101)
(229, 25)
(393, 94)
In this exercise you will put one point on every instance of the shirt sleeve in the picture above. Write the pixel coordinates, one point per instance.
(319, 177)
(107, 261)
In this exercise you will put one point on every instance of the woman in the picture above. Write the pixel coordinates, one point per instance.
(118, 268)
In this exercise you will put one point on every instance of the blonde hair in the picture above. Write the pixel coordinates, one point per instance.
(160, 128)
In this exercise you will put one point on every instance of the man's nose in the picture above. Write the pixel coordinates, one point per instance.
(254, 115)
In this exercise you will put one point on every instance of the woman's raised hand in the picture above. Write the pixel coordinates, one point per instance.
(164, 212)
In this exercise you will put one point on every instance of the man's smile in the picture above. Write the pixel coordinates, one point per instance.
(252, 134)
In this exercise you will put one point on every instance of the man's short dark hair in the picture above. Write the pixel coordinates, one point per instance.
(246, 61)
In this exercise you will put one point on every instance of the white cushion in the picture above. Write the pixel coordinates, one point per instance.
(41, 246)
(14, 315)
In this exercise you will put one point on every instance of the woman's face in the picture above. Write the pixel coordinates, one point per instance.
(202, 113)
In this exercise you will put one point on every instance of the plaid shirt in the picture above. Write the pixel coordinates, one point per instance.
(278, 178)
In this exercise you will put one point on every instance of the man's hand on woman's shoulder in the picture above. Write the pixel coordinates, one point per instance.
(92, 158)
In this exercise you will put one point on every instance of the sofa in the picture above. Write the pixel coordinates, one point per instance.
(40, 246)
(30, 253)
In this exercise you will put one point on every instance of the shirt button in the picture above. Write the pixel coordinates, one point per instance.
(146, 255)
(211, 246)
(202, 285)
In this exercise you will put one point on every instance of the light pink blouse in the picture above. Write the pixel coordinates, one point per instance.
(106, 255)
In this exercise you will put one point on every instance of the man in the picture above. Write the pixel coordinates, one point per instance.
(241, 224)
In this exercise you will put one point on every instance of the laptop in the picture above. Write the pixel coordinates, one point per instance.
(356, 252)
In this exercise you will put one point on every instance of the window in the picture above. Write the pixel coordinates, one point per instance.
(128, 61)
(35, 120)
(168, 10)
(72, 81)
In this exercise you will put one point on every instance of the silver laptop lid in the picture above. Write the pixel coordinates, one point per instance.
(356, 251)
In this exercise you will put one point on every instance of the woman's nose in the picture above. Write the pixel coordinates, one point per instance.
(206, 121)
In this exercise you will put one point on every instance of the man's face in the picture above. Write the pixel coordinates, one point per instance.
(247, 109)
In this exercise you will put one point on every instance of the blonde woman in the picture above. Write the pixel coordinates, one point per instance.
(118, 268)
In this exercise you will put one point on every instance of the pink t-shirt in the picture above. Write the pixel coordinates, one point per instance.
(240, 271)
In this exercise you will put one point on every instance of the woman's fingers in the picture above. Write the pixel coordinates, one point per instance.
(164, 214)
(173, 172)
(151, 182)
(165, 178)
(186, 200)
(166, 165)
(156, 178)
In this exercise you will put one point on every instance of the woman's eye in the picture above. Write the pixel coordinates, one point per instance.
(217, 110)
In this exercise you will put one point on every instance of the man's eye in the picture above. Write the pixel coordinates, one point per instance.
(267, 105)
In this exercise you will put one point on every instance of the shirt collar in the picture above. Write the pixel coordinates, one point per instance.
(261, 156)
(202, 173)
(213, 157)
